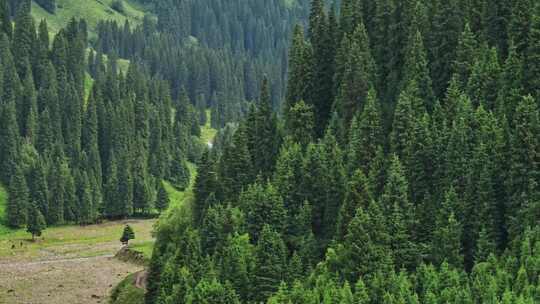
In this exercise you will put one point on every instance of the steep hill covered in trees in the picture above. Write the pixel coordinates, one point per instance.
(404, 167)
(76, 159)
(218, 51)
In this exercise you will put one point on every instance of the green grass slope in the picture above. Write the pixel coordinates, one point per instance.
(91, 10)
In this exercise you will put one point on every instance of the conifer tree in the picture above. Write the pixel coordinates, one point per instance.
(367, 244)
(466, 54)
(533, 55)
(358, 195)
(36, 221)
(271, 260)
(127, 235)
(262, 206)
(38, 188)
(18, 200)
(365, 135)
(416, 68)
(162, 201)
(5, 20)
(301, 123)
(24, 36)
(446, 244)
(401, 215)
(9, 141)
(358, 77)
(263, 140)
(236, 169)
(205, 184)
(520, 24)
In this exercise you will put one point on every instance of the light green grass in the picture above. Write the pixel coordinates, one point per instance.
(144, 247)
(207, 132)
(178, 198)
(126, 293)
(91, 10)
(74, 241)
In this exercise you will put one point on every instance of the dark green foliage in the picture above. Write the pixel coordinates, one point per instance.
(127, 234)
(36, 221)
(271, 263)
(18, 200)
(162, 201)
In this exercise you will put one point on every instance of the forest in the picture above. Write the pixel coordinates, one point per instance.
(401, 167)
(369, 151)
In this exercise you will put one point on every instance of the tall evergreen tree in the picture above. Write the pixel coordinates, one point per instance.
(18, 200)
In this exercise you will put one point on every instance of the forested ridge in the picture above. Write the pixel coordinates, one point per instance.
(71, 152)
(218, 51)
(369, 151)
(402, 168)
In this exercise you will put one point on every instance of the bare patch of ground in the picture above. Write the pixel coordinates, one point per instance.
(81, 280)
(71, 264)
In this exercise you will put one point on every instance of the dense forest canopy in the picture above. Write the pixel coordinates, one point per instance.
(80, 140)
(218, 51)
(402, 168)
(370, 151)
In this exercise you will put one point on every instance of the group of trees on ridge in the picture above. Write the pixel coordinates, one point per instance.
(73, 152)
(404, 167)
(218, 51)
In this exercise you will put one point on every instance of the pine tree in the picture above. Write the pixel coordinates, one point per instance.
(262, 206)
(271, 260)
(236, 169)
(532, 62)
(18, 200)
(466, 54)
(520, 24)
(416, 68)
(400, 213)
(9, 141)
(321, 84)
(301, 123)
(38, 188)
(357, 196)
(484, 79)
(127, 235)
(205, 184)
(524, 161)
(23, 37)
(446, 245)
(36, 221)
(262, 137)
(358, 77)
(367, 244)
(299, 60)
(162, 201)
(5, 20)
(365, 135)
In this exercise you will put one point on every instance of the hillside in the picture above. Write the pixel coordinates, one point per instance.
(91, 10)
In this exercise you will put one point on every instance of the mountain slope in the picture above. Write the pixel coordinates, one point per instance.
(91, 10)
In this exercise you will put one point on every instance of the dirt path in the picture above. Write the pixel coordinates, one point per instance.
(82, 280)
(73, 266)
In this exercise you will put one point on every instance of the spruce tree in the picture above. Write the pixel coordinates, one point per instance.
(532, 56)
(18, 200)
(365, 135)
(9, 141)
(271, 257)
(36, 221)
(446, 245)
(357, 196)
(162, 201)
